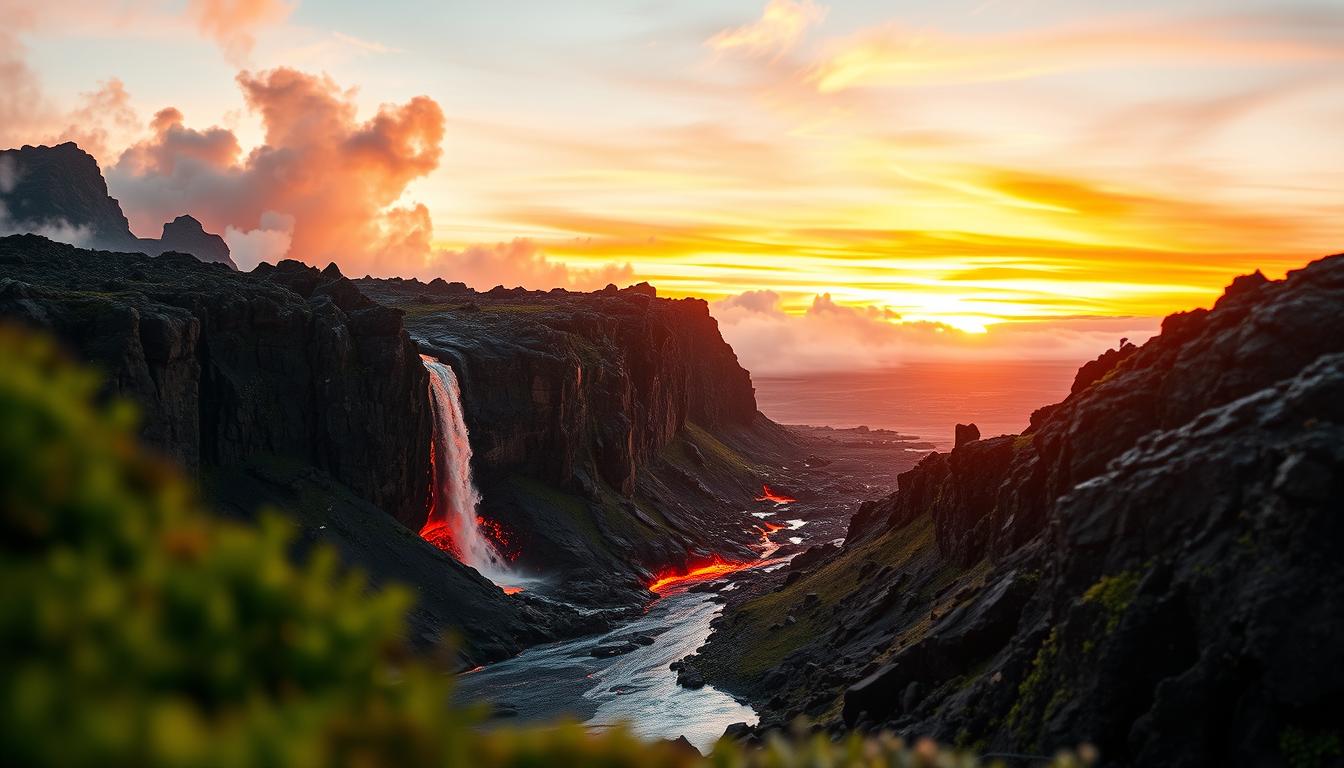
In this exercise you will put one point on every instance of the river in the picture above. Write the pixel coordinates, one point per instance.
(563, 680)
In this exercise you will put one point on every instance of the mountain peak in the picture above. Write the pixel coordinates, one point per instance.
(59, 191)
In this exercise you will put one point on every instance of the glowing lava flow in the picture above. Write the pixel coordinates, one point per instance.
(769, 494)
(453, 525)
(768, 547)
(718, 567)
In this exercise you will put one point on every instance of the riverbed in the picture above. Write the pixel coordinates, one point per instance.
(563, 680)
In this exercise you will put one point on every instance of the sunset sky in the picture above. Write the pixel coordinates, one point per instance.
(860, 182)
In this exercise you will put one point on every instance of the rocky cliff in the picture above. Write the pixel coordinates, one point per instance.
(60, 192)
(286, 388)
(286, 360)
(614, 432)
(1151, 567)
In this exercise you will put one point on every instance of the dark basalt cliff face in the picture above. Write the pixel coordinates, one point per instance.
(286, 360)
(566, 383)
(284, 387)
(1151, 567)
(613, 432)
(46, 190)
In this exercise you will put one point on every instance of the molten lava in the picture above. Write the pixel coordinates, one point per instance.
(770, 494)
(511, 590)
(767, 547)
(666, 582)
(499, 536)
(440, 534)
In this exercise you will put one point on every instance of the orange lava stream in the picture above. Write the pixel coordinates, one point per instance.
(511, 590)
(768, 547)
(440, 534)
(713, 570)
(769, 494)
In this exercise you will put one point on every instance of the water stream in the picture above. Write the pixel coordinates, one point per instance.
(565, 680)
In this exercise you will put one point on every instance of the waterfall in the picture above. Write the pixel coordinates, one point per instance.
(453, 524)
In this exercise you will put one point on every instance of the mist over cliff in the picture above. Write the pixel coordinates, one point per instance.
(59, 192)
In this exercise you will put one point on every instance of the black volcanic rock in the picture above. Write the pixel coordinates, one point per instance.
(226, 365)
(1096, 370)
(60, 192)
(186, 235)
(283, 388)
(46, 187)
(965, 433)
(1153, 567)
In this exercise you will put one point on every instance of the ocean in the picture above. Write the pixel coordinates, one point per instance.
(922, 399)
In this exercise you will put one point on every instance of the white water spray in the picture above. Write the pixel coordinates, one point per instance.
(453, 524)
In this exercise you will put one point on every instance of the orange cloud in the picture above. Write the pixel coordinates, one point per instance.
(28, 117)
(337, 180)
(232, 23)
(519, 263)
(781, 26)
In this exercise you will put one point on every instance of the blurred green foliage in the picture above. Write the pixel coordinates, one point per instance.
(139, 630)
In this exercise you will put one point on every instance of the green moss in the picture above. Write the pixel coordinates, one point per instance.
(714, 450)
(1032, 690)
(1308, 749)
(1114, 594)
(748, 648)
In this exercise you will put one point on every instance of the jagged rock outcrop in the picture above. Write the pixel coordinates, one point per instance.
(60, 192)
(1151, 567)
(284, 361)
(186, 235)
(965, 433)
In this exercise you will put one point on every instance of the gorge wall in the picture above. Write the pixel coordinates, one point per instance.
(562, 384)
(1150, 567)
(613, 432)
(286, 360)
(283, 388)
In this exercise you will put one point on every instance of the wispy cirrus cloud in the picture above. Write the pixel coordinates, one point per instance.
(894, 55)
(781, 25)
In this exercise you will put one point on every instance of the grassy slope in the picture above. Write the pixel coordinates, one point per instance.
(755, 637)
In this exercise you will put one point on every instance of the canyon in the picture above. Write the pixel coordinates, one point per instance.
(580, 491)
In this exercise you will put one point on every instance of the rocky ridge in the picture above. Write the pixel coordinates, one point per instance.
(60, 192)
(283, 387)
(1150, 567)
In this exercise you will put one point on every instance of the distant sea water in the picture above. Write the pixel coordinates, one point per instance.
(922, 399)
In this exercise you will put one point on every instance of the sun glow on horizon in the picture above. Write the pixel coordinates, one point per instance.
(946, 171)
